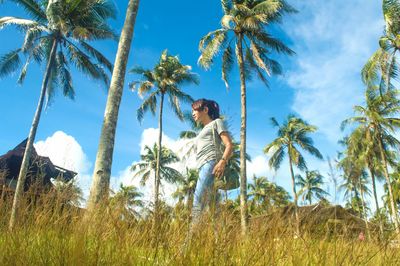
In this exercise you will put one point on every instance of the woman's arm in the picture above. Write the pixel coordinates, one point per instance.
(220, 166)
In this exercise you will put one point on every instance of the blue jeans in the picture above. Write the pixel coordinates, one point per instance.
(205, 194)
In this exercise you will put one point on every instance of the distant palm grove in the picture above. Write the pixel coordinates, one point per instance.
(260, 223)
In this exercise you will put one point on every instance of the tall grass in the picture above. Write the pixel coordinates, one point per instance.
(52, 233)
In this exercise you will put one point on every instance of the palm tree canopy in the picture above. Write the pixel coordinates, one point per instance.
(310, 185)
(375, 121)
(382, 66)
(164, 79)
(129, 195)
(71, 24)
(188, 184)
(148, 164)
(268, 193)
(292, 135)
(245, 21)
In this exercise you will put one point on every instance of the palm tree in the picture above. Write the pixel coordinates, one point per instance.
(267, 195)
(259, 191)
(187, 188)
(58, 35)
(310, 186)
(102, 167)
(382, 66)
(378, 116)
(361, 147)
(166, 78)
(69, 192)
(292, 135)
(148, 166)
(128, 198)
(244, 31)
(355, 179)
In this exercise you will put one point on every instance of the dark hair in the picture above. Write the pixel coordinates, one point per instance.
(212, 106)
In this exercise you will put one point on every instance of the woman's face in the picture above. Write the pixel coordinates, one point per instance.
(199, 115)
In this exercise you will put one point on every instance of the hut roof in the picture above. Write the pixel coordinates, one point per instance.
(40, 166)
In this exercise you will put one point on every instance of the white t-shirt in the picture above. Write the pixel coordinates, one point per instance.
(205, 143)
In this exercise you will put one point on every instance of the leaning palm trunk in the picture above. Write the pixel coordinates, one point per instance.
(297, 227)
(386, 172)
(364, 210)
(31, 138)
(375, 196)
(158, 159)
(102, 169)
(243, 177)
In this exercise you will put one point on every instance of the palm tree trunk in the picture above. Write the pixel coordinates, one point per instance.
(102, 169)
(295, 195)
(159, 150)
(386, 172)
(31, 138)
(243, 177)
(364, 209)
(371, 171)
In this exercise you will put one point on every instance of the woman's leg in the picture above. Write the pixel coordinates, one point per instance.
(204, 192)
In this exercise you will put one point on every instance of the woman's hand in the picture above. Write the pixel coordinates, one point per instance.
(219, 168)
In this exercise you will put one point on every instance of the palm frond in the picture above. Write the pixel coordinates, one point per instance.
(149, 103)
(9, 62)
(101, 59)
(227, 64)
(210, 45)
(20, 23)
(34, 9)
(65, 78)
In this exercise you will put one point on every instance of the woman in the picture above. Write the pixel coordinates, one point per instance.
(206, 112)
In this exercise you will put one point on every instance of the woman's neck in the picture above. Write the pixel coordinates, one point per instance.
(207, 120)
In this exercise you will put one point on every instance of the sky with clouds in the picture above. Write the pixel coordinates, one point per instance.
(321, 83)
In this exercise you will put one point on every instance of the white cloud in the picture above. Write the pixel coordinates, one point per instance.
(64, 151)
(333, 41)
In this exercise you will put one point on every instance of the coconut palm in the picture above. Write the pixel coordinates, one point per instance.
(266, 195)
(361, 146)
(292, 135)
(244, 36)
(355, 178)
(378, 116)
(127, 198)
(165, 79)
(57, 35)
(148, 166)
(187, 188)
(310, 186)
(102, 167)
(382, 66)
(69, 192)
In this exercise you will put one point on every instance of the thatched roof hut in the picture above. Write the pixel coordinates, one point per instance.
(41, 169)
(315, 219)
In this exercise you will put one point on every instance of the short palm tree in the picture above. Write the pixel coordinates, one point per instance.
(187, 188)
(267, 195)
(379, 117)
(165, 79)
(310, 186)
(355, 179)
(244, 36)
(128, 198)
(148, 165)
(292, 135)
(57, 36)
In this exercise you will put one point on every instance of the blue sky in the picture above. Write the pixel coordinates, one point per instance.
(332, 40)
